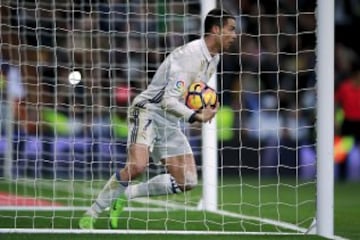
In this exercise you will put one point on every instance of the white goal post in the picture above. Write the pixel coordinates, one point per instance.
(209, 145)
(265, 163)
(325, 118)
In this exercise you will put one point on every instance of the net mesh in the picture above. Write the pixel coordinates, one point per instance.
(60, 142)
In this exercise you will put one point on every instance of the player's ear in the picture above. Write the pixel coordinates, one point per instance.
(216, 30)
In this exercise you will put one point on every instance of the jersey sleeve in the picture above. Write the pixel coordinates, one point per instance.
(180, 75)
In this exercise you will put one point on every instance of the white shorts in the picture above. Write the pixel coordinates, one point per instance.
(163, 136)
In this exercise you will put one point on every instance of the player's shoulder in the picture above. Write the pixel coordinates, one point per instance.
(193, 47)
(189, 53)
(194, 44)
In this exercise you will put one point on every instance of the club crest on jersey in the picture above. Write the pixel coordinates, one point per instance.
(180, 86)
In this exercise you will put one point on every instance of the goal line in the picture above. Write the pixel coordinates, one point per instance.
(145, 232)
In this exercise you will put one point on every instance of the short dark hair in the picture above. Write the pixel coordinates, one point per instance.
(216, 17)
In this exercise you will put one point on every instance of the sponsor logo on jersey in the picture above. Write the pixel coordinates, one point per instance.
(180, 86)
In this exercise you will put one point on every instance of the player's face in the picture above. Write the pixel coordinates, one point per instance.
(228, 34)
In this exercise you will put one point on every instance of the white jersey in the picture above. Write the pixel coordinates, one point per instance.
(185, 65)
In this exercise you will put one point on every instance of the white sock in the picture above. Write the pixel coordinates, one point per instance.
(112, 189)
(159, 185)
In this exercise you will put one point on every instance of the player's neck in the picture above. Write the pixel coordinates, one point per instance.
(211, 45)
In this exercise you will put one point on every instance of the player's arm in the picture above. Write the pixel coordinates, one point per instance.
(172, 102)
(181, 73)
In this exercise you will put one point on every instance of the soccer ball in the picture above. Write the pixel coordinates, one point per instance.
(200, 95)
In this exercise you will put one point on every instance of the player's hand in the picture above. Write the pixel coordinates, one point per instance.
(206, 114)
(215, 109)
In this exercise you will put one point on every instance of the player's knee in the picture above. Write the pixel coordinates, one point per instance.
(190, 182)
(136, 169)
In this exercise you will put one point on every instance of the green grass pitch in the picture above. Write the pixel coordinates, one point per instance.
(277, 199)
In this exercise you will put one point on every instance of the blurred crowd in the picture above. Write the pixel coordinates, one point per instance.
(266, 83)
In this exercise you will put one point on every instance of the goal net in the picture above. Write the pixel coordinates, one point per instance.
(60, 142)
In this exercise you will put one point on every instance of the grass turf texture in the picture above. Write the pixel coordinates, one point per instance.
(274, 199)
(149, 237)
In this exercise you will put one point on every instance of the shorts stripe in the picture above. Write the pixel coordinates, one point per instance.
(135, 129)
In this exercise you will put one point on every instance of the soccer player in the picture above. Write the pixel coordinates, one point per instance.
(154, 122)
